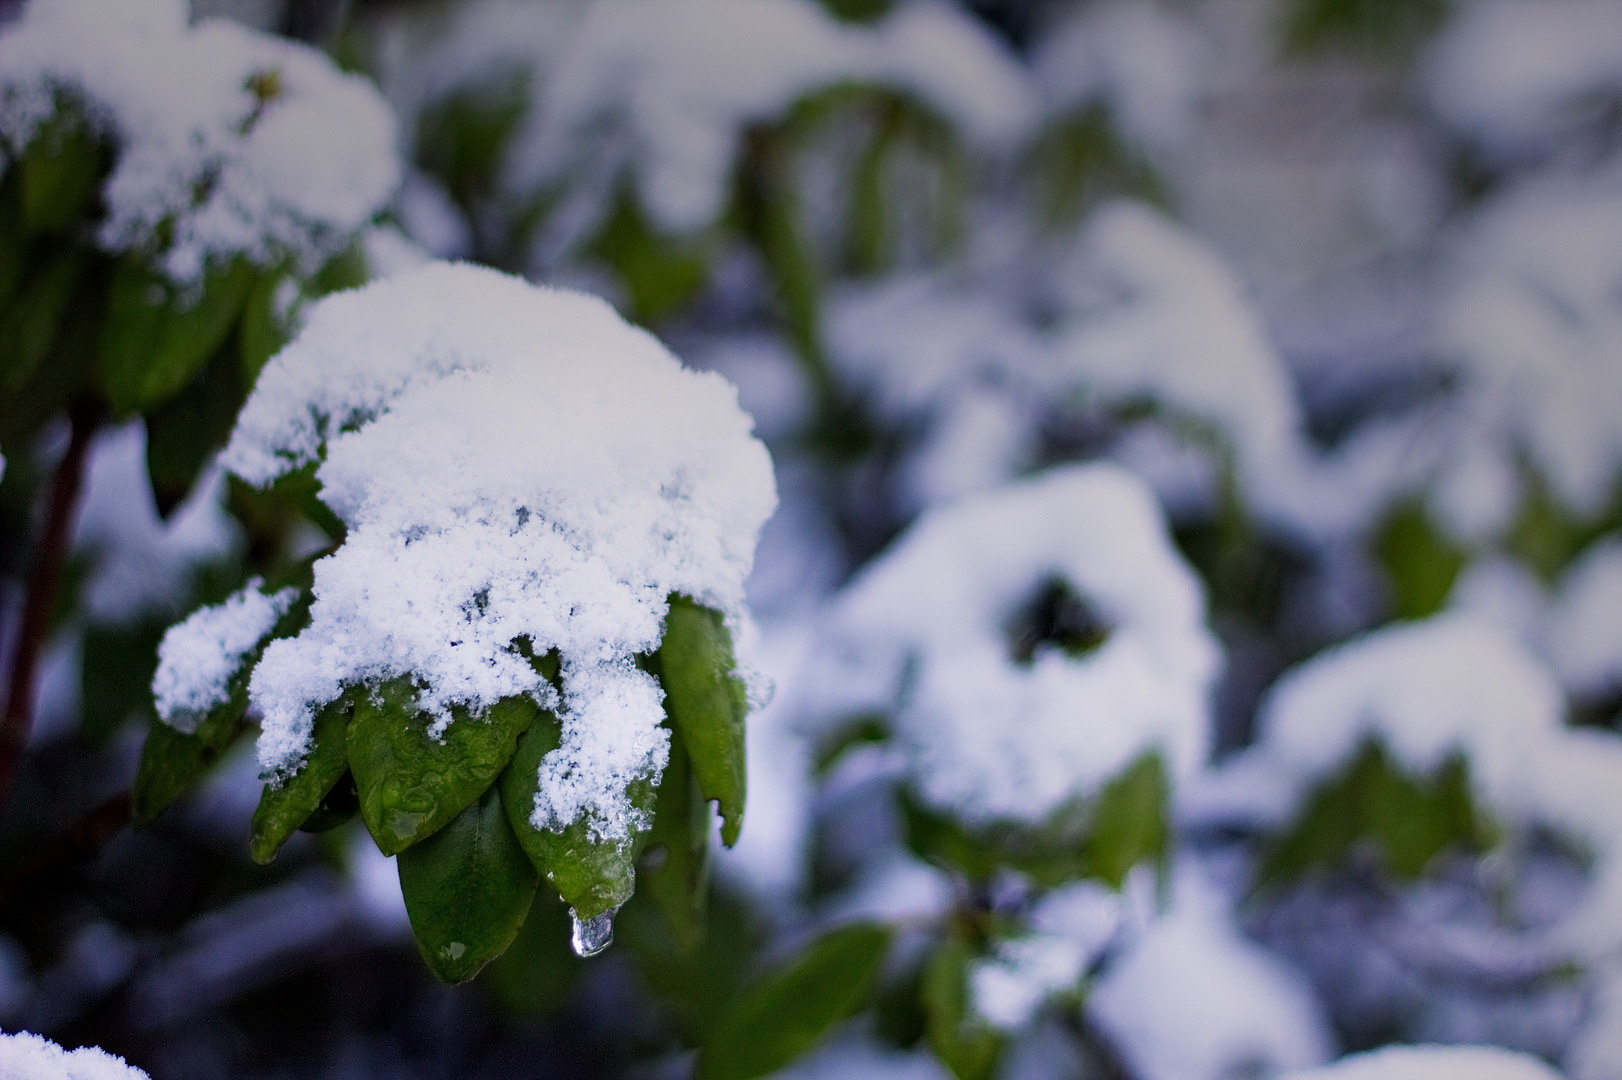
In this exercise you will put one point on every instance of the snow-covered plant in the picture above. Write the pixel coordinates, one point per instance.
(520, 657)
(1036, 657)
(1431, 758)
(173, 177)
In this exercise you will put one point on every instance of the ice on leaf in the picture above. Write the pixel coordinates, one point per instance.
(514, 464)
(228, 141)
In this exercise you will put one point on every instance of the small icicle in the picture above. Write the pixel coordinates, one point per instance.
(593, 935)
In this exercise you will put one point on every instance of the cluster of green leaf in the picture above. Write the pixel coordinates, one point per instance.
(1372, 806)
(456, 809)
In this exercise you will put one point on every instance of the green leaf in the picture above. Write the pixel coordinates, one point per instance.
(31, 327)
(62, 170)
(1394, 27)
(1102, 837)
(962, 1042)
(286, 806)
(183, 435)
(264, 329)
(675, 866)
(707, 704)
(1420, 562)
(157, 338)
(780, 1017)
(1129, 821)
(593, 875)
(467, 889)
(410, 784)
(1408, 820)
(337, 807)
(171, 761)
(660, 273)
(538, 971)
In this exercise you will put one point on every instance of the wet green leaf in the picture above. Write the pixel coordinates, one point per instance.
(675, 866)
(411, 784)
(707, 704)
(157, 337)
(172, 761)
(781, 1016)
(284, 807)
(593, 875)
(467, 889)
(961, 1041)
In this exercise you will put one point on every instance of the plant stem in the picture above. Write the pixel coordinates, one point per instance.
(49, 555)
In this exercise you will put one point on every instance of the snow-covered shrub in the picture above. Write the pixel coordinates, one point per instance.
(548, 522)
(1035, 657)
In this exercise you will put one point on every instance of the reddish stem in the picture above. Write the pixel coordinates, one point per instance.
(82, 842)
(49, 556)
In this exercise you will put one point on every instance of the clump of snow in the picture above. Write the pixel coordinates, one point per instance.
(141, 564)
(1514, 77)
(1584, 631)
(921, 635)
(667, 87)
(26, 1056)
(197, 657)
(1534, 325)
(1433, 1063)
(511, 462)
(1192, 1000)
(229, 141)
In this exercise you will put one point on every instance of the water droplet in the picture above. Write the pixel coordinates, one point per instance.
(592, 935)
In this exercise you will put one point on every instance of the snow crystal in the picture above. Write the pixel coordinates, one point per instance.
(922, 632)
(1513, 75)
(1585, 629)
(197, 658)
(1432, 1063)
(229, 140)
(1427, 689)
(26, 1056)
(682, 78)
(1192, 1000)
(511, 462)
(1535, 327)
